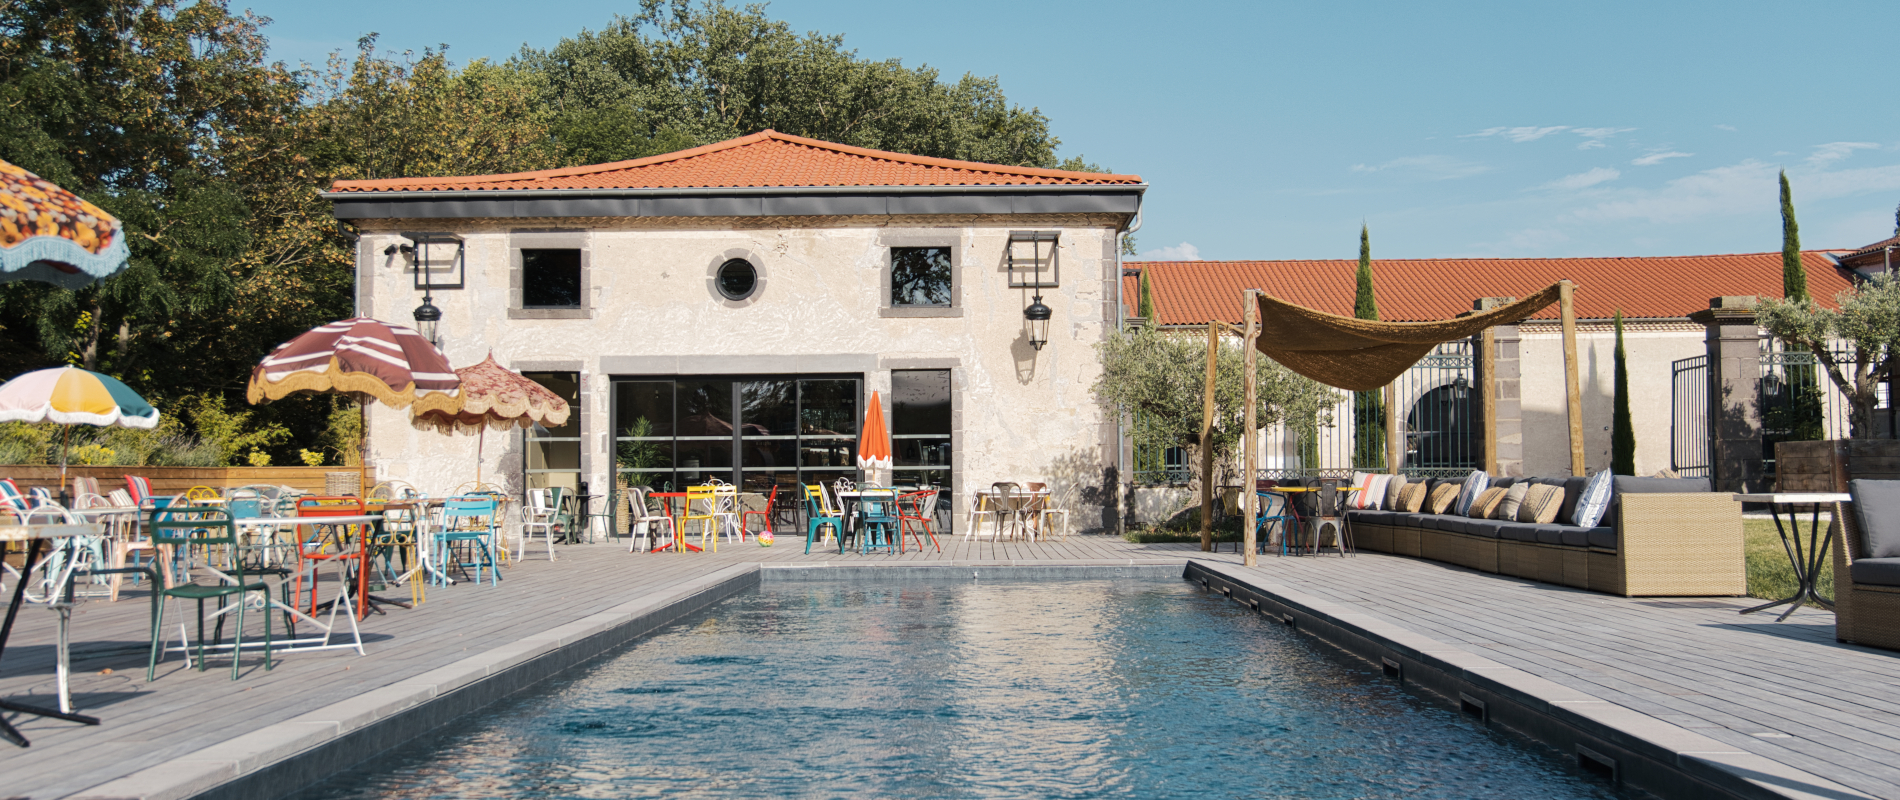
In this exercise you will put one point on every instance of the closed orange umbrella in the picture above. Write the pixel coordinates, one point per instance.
(874, 444)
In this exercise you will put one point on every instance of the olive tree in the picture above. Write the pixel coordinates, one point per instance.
(1868, 321)
(1162, 376)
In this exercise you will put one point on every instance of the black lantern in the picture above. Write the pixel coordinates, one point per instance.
(1038, 316)
(427, 318)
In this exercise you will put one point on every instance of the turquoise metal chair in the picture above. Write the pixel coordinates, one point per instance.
(470, 520)
(818, 514)
(1274, 513)
(190, 528)
(878, 519)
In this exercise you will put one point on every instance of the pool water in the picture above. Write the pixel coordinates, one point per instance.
(1075, 689)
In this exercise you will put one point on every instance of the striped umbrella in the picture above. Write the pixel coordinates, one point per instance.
(48, 234)
(71, 396)
(874, 445)
(366, 359)
(494, 396)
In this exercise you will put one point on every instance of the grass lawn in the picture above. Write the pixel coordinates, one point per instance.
(1770, 577)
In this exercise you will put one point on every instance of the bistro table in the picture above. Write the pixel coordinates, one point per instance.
(679, 537)
(1018, 502)
(35, 536)
(1807, 563)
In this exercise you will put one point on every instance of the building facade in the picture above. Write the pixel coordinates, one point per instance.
(729, 311)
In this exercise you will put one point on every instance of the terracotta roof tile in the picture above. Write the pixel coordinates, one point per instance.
(766, 158)
(1191, 292)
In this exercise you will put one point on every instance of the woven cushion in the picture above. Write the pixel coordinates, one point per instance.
(1486, 503)
(1443, 497)
(1412, 498)
(1507, 506)
(1474, 485)
(1877, 508)
(1876, 571)
(1593, 502)
(1393, 486)
(1540, 505)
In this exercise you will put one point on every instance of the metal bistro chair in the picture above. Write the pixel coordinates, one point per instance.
(334, 545)
(641, 518)
(1325, 511)
(702, 505)
(470, 521)
(186, 529)
(819, 513)
(764, 515)
(1010, 500)
(877, 519)
(917, 508)
(1274, 514)
(538, 517)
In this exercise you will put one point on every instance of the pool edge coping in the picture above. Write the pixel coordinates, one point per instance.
(1651, 754)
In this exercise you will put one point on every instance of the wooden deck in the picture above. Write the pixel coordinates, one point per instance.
(1786, 691)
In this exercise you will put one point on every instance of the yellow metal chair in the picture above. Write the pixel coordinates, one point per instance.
(702, 503)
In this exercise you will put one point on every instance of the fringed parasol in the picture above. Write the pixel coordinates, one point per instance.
(493, 396)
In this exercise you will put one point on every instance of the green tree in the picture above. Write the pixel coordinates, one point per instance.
(1368, 408)
(1161, 376)
(1622, 425)
(1798, 413)
(1145, 304)
(1868, 320)
(677, 74)
(1794, 278)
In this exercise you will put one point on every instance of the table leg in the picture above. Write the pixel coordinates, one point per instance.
(1806, 562)
(7, 731)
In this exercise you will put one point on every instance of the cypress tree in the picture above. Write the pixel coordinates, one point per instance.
(1622, 425)
(1368, 407)
(1145, 302)
(1794, 279)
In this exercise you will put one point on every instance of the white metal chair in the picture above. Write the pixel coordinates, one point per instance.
(537, 517)
(641, 518)
(1049, 505)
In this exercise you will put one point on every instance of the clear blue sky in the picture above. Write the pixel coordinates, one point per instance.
(1271, 130)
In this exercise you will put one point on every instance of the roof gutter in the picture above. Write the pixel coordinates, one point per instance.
(741, 191)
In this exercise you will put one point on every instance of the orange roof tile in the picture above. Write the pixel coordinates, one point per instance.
(1191, 292)
(764, 159)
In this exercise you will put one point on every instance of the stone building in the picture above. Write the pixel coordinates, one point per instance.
(728, 311)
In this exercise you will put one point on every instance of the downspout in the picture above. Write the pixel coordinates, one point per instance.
(1121, 310)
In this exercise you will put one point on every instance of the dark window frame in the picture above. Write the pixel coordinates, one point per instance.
(520, 241)
(949, 268)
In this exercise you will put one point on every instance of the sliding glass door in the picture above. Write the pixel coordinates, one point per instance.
(753, 432)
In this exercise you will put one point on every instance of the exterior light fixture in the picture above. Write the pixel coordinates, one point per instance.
(428, 317)
(1037, 315)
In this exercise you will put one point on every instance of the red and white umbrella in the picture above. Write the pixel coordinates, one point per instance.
(364, 358)
(494, 396)
(874, 444)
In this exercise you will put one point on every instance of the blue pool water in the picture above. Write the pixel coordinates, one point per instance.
(1077, 689)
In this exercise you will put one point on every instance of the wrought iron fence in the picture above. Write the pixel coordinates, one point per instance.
(1798, 401)
(1440, 426)
(1689, 417)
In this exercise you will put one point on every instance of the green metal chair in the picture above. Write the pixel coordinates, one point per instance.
(187, 528)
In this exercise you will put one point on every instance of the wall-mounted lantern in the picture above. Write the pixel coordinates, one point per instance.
(444, 268)
(1037, 315)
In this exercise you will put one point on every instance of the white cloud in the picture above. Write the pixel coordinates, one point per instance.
(1834, 151)
(1179, 252)
(1593, 137)
(1436, 168)
(1584, 180)
(1725, 127)
(1744, 188)
(1525, 133)
(1657, 158)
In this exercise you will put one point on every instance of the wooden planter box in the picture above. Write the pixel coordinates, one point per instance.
(1827, 466)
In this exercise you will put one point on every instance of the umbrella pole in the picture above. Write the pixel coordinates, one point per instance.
(362, 447)
(481, 439)
(65, 435)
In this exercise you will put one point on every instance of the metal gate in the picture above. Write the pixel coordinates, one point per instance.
(1440, 426)
(1689, 417)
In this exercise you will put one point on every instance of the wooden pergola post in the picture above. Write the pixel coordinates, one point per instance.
(1573, 390)
(1488, 377)
(1394, 446)
(1249, 446)
(1207, 440)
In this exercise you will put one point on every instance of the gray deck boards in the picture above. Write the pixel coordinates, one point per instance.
(1695, 663)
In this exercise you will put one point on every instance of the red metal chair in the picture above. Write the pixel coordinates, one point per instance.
(917, 507)
(335, 544)
(771, 501)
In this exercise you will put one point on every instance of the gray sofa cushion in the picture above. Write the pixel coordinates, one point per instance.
(1876, 571)
(1519, 533)
(1877, 507)
(1603, 538)
(1502, 483)
(1359, 516)
(1573, 489)
(1487, 528)
(1569, 535)
(1449, 523)
(1418, 521)
(1549, 534)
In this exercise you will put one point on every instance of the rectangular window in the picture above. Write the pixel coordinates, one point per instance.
(554, 454)
(551, 278)
(920, 276)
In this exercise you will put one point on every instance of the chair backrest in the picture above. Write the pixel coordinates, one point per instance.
(92, 501)
(842, 485)
(538, 500)
(636, 502)
(203, 494)
(1328, 497)
(700, 500)
(10, 496)
(1272, 504)
(469, 506)
(317, 506)
(42, 496)
(816, 503)
(85, 486)
(725, 498)
(247, 507)
(121, 498)
(1003, 490)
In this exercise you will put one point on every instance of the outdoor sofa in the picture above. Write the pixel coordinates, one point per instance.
(1661, 537)
(1867, 589)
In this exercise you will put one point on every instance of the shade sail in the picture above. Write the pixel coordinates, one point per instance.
(49, 234)
(1361, 355)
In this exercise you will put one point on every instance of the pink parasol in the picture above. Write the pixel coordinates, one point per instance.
(494, 396)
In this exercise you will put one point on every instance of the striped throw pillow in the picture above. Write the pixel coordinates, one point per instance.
(1507, 505)
(1393, 488)
(1443, 496)
(1486, 502)
(1540, 505)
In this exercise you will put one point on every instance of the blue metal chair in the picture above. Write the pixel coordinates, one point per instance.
(470, 520)
(878, 519)
(818, 514)
(1274, 513)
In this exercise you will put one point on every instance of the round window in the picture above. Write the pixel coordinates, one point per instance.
(738, 279)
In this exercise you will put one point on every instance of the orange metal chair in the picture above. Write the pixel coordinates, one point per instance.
(336, 544)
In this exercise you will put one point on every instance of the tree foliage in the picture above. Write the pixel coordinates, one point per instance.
(1368, 408)
(1794, 277)
(1622, 423)
(1867, 322)
(1162, 376)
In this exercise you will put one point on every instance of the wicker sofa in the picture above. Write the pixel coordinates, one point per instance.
(1664, 537)
(1866, 590)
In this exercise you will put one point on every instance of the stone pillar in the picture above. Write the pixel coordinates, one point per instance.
(1734, 345)
(1499, 377)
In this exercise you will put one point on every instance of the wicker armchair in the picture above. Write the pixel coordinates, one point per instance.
(1863, 613)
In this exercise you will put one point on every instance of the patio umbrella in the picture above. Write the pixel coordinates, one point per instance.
(366, 359)
(493, 396)
(48, 234)
(874, 445)
(69, 396)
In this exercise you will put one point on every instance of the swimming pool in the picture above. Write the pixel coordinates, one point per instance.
(1072, 689)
